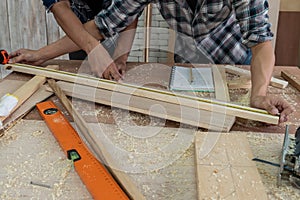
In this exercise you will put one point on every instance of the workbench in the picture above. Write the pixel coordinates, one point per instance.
(174, 180)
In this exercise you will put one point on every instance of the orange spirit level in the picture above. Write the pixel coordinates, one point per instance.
(94, 175)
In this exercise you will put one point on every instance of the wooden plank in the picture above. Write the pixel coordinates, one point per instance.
(275, 82)
(161, 95)
(4, 24)
(96, 145)
(27, 90)
(292, 76)
(228, 171)
(221, 88)
(191, 116)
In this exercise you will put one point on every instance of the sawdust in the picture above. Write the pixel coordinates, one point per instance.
(45, 163)
(29, 153)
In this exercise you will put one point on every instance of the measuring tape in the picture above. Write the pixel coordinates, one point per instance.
(94, 175)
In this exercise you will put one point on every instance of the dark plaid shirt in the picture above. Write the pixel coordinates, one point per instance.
(222, 29)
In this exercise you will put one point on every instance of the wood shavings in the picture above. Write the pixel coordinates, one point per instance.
(37, 158)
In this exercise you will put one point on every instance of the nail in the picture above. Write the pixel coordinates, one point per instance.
(40, 184)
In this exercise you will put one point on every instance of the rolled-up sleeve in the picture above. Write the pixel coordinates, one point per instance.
(119, 15)
(253, 19)
(49, 3)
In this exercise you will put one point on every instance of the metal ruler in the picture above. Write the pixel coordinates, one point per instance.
(94, 175)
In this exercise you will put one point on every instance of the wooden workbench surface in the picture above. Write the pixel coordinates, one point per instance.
(157, 75)
(173, 180)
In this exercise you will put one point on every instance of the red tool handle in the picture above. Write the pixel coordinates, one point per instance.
(4, 58)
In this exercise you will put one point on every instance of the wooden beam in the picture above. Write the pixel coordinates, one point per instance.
(182, 114)
(228, 171)
(96, 145)
(275, 82)
(26, 90)
(221, 88)
(292, 76)
(156, 94)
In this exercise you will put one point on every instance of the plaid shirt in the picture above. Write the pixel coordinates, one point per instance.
(223, 30)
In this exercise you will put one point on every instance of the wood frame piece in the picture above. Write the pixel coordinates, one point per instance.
(156, 94)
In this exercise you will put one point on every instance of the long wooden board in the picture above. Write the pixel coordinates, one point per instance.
(228, 171)
(187, 115)
(161, 95)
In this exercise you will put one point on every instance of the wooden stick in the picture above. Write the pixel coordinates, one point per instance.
(96, 145)
(161, 95)
(292, 78)
(26, 90)
(147, 25)
(221, 89)
(191, 116)
(275, 82)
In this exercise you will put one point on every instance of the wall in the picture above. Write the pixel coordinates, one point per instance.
(25, 24)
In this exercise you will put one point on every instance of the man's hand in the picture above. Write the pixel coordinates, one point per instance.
(27, 56)
(102, 64)
(274, 106)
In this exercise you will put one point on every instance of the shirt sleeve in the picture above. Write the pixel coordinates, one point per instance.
(119, 15)
(49, 3)
(252, 16)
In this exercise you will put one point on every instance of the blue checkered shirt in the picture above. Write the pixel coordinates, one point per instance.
(223, 30)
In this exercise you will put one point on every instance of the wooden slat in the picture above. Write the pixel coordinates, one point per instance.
(293, 77)
(147, 25)
(27, 89)
(275, 82)
(228, 171)
(191, 116)
(96, 144)
(221, 88)
(9, 86)
(161, 95)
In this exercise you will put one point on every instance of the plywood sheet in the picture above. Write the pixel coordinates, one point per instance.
(227, 171)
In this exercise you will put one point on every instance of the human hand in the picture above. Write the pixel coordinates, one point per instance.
(121, 63)
(102, 65)
(273, 105)
(26, 56)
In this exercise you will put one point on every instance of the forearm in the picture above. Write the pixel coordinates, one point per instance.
(84, 36)
(262, 65)
(125, 41)
(58, 48)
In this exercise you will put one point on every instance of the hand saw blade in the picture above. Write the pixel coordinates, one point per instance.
(4, 72)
